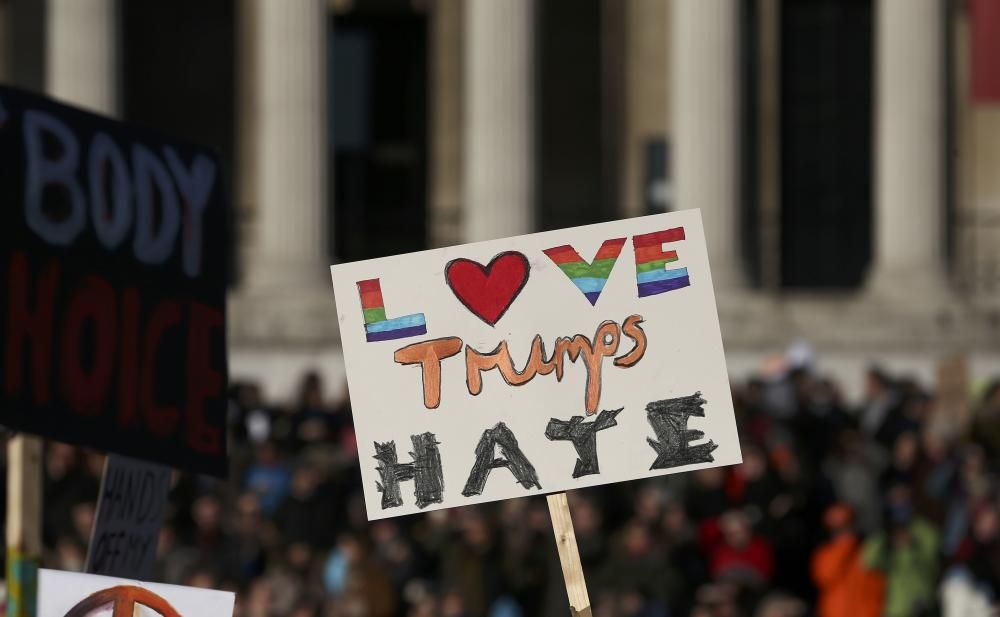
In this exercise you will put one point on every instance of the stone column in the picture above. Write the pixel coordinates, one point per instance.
(445, 117)
(82, 53)
(284, 169)
(647, 86)
(909, 144)
(705, 141)
(499, 175)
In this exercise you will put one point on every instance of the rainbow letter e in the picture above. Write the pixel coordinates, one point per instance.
(377, 327)
(651, 277)
(588, 278)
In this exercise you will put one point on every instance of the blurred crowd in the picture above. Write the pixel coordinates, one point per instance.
(882, 507)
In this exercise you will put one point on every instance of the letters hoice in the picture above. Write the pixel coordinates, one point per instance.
(533, 365)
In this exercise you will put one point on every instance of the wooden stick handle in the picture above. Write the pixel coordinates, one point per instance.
(569, 555)
(24, 526)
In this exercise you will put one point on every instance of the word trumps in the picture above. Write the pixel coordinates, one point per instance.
(604, 344)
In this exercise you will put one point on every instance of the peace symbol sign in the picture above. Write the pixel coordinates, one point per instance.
(123, 598)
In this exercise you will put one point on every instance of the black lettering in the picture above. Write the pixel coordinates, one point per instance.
(147, 497)
(128, 496)
(513, 459)
(110, 505)
(107, 549)
(669, 419)
(425, 471)
(137, 547)
(584, 438)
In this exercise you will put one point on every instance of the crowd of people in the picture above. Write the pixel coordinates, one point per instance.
(883, 508)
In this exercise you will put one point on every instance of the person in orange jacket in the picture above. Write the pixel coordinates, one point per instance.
(846, 587)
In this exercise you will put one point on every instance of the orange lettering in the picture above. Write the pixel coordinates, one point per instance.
(429, 355)
(604, 344)
(476, 363)
(499, 358)
(602, 348)
(632, 329)
(570, 348)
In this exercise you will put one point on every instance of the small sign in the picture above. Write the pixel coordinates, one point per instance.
(535, 364)
(69, 594)
(130, 512)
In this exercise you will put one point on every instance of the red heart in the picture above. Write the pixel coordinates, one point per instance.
(488, 291)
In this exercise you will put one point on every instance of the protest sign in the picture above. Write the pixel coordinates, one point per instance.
(69, 594)
(535, 364)
(130, 511)
(112, 266)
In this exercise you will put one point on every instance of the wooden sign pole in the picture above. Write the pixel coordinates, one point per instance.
(569, 555)
(954, 407)
(24, 523)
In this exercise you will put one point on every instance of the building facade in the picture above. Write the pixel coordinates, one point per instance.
(846, 171)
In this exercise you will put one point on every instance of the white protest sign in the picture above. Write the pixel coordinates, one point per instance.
(535, 364)
(129, 515)
(69, 594)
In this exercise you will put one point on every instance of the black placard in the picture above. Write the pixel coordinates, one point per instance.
(113, 245)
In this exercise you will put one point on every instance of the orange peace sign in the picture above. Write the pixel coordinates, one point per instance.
(124, 598)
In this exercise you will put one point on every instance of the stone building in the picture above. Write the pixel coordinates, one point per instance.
(848, 180)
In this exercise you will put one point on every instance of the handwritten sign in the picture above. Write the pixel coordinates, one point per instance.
(112, 270)
(535, 364)
(130, 511)
(68, 594)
